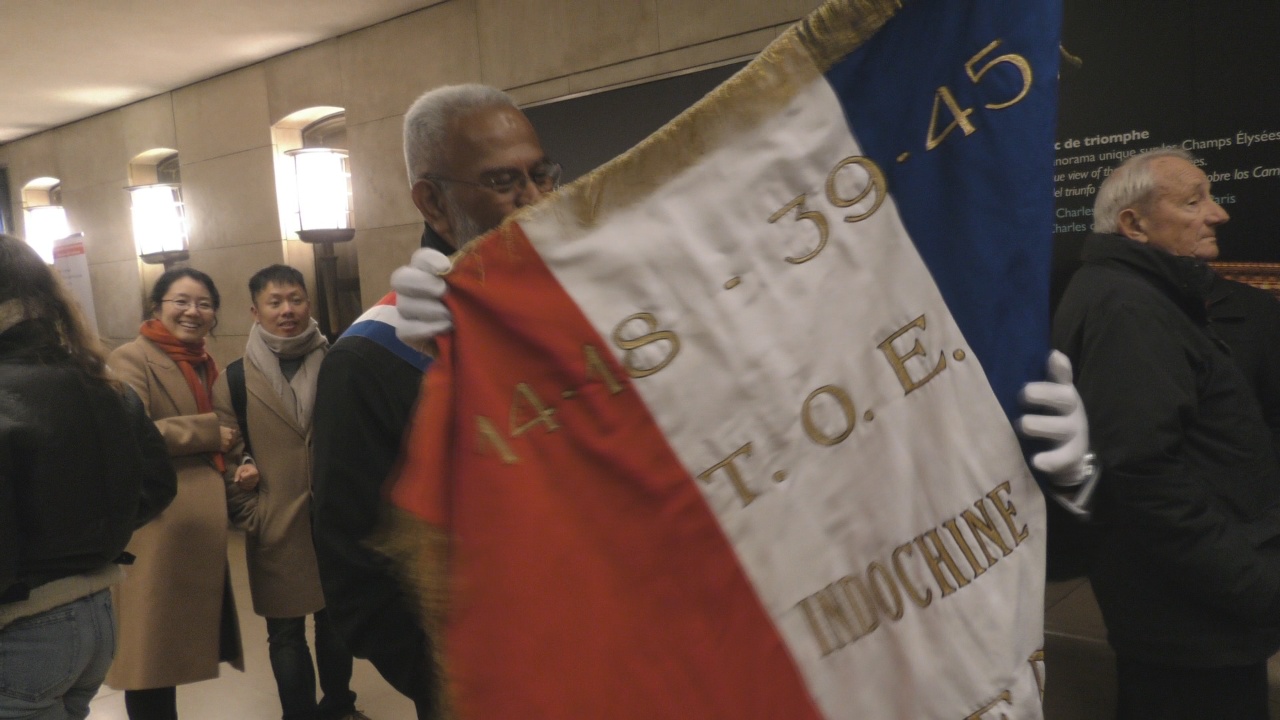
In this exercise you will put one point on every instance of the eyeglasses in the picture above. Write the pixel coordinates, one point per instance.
(545, 176)
(185, 304)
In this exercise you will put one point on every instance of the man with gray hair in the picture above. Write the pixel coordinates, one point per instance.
(1185, 545)
(472, 158)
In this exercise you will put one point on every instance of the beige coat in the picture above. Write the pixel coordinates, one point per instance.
(176, 612)
(284, 578)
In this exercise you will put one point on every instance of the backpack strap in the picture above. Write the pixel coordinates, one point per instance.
(239, 400)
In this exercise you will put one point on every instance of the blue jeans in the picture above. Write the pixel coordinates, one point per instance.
(296, 675)
(51, 664)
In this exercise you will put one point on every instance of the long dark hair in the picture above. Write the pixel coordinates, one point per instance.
(41, 298)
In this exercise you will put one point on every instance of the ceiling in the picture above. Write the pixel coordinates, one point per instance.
(63, 60)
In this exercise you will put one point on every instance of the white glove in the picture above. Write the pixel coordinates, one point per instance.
(1069, 465)
(420, 297)
(1066, 427)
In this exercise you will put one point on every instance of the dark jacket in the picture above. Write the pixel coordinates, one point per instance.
(1186, 549)
(364, 400)
(81, 466)
(1248, 320)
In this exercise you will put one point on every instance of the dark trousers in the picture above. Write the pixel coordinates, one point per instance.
(1145, 691)
(154, 704)
(296, 675)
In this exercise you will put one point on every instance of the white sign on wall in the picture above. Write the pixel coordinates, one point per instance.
(70, 262)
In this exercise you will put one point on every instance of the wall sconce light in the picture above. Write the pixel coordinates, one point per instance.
(323, 182)
(324, 194)
(45, 224)
(159, 223)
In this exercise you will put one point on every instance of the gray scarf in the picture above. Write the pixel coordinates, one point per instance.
(266, 350)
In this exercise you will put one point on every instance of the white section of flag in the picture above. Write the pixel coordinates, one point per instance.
(784, 331)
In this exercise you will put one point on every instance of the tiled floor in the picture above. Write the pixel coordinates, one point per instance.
(251, 695)
(1080, 668)
(1079, 665)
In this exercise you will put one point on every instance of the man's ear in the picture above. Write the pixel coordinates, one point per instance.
(253, 310)
(427, 197)
(1129, 224)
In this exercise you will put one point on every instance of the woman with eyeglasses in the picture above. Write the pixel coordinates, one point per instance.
(177, 615)
(81, 466)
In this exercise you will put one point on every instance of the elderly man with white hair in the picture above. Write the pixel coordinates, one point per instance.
(472, 159)
(1185, 546)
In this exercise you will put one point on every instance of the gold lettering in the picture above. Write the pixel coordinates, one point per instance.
(933, 138)
(856, 605)
(542, 413)
(954, 529)
(1005, 697)
(1037, 666)
(811, 428)
(731, 468)
(868, 619)
(833, 612)
(1017, 61)
(1007, 510)
(812, 619)
(812, 216)
(920, 600)
(630, 345)
(899, 362)
(489, 434)
(985, 528)
(875, 181)
(894, 609)
(598, 367)
(941, 554)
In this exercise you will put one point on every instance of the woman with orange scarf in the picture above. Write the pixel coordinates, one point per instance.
(177, 616)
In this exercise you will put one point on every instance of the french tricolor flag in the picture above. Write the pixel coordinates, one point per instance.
(723, 428)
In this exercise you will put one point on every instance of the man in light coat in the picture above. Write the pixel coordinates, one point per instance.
(270, 397)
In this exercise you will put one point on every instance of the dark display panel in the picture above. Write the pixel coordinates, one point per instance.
(1194, 74)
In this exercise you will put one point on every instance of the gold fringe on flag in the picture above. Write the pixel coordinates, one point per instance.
(419, 551)
(757, 92)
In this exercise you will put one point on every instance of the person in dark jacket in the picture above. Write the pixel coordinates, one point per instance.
(81, 467)
(473, 158)
(1186, 536)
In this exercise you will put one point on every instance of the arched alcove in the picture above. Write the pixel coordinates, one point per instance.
(156, 207)
(313, 186)
(44, 219)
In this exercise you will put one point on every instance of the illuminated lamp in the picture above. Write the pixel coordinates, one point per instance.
(44, 224)
(324, 195)
(159, 223)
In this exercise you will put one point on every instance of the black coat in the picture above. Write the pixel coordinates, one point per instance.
(1186, 542)
(81, 466)
(365, 396)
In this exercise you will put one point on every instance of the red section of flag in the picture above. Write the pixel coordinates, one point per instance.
(588, 578)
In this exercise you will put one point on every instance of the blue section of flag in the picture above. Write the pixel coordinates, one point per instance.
(979, 206)
(385, 335)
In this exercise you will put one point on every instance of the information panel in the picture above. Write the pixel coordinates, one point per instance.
(1194, 74)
